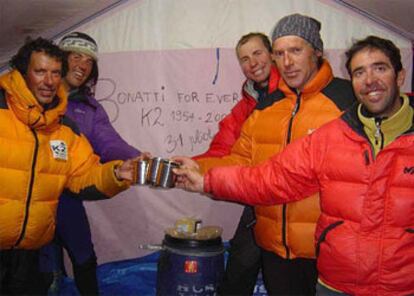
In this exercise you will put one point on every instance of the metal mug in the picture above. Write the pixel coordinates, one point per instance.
(141, 173)
(153, 169)
(165, 176)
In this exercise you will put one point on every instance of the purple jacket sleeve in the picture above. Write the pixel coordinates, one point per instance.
(106, 141)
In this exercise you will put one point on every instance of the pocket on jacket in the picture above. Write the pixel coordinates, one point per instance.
(324, 233)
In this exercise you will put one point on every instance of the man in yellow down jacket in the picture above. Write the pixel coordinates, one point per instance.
(308, 96)
(41, 154)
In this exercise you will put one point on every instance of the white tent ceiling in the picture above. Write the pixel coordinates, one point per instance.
(50, 18)
(47, 18)
(396, 14)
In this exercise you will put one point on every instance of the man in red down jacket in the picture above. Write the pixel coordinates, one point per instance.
(253, 51)
(362, 165)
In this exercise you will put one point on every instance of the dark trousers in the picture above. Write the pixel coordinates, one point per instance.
(20, 275)
(243, 263)
(324, 291)
(74, 234)
(288, 276)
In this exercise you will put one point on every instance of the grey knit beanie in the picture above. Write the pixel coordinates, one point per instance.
(299, 25)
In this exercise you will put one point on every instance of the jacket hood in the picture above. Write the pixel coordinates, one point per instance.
(27, 108)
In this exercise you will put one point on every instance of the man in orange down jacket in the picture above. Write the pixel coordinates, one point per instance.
(254, 53)
(362, 165)
(42, 153)
(307, 97)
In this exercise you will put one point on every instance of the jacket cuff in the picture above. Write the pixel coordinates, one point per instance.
(109, 173)
(207, 185)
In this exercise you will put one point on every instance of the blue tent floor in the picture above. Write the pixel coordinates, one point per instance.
(130, 277)
(127, 277)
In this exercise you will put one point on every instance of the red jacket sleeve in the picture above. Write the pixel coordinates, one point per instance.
(229, 129)
(286, 177)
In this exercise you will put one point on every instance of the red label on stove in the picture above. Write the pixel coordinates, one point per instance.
(190, 266)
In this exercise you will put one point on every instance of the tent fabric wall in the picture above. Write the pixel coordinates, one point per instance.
(168, 74)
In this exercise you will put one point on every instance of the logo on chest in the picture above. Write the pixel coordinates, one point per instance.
(59, 149)
(80, 111)
(409, 170)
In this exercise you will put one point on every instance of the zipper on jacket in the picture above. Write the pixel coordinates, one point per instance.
(294, 112)
(29, 197)
(284, 241)
(379, 136)
(366, 157)
(323, 235)
(284, 206)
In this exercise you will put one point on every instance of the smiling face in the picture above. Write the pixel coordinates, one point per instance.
(296, 60)
(43, 75)
(79, 69)
(375, 83)
(255, 60)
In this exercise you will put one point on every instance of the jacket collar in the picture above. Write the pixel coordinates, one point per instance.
(249, 88)
(78, 95)
(352, 120)
(26, 107)
(314, 86)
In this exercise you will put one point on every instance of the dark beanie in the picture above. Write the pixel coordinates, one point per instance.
(80, 42)
(302, 26)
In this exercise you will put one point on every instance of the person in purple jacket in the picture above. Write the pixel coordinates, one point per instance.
(72, 228)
